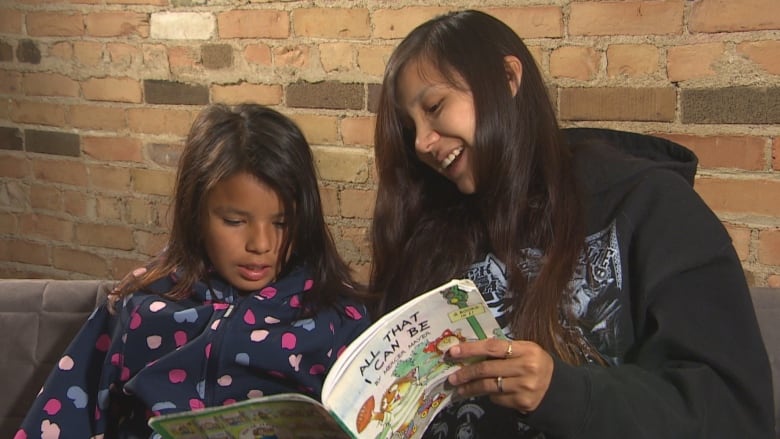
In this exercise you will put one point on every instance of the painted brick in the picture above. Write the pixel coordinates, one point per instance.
(60, 171)
(113, 149)
(112, 178)
(319, 130)
(293, 56)
(238, 93)
(159, 121)
(182, 25)
(342, 164)
(6, 52)
(175, 93)
(372, 60)
(576, 62)
(766, 54)
(396, 23)
(14, 166)
(42, 113)
(327, 94)
(626, 18)
(79, 261)
(358, 130)
(164, 154)
(45, 197)
(253, 24)
(217, 56)
(106, 236)
(734, 15)
(46, 227)
(112, 89)
(357, 203)
(336, 57)
(49, 84)
(693, 61)
(52, 142)
(28, 252)
(331, 22)
(747, 105)
(152, 181)
(632, 60)
(10, 138)
(97, 117)
(742, 196)
(740, 152)
(11, 21)
(27, 51)
(258, 54)
(117, 24)
(640, 104)
(531, 22)
(54, 24)
(10, 82)
(769, 247)
(88, 53)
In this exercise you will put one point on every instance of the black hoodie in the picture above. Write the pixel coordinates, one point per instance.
(660, 293)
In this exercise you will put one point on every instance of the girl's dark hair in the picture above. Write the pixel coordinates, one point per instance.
(425, 232)
(222, 142)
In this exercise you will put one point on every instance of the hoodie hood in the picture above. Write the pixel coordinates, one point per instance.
(620, 156)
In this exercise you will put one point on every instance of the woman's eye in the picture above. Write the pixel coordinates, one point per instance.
(280, 224)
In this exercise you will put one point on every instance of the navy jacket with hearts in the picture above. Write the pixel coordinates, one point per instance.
(155, 356)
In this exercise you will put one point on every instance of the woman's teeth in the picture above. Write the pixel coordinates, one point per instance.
(451, 158)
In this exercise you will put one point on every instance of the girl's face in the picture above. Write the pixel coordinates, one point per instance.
(444, 122)
(244, 228)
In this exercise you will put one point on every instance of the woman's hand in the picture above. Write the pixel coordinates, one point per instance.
(515, 374)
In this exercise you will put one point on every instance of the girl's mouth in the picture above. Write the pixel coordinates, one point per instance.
(451, 158)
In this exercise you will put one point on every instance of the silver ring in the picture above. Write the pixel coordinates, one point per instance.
(500, 384)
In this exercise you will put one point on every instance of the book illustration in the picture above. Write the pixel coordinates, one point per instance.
(390, 382)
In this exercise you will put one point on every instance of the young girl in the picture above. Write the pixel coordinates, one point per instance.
(249, 297)
(625, 301)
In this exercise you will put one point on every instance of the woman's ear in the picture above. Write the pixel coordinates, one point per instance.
(514, 72)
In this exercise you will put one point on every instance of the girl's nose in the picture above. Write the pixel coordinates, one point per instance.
(425, 139)
(260, 239)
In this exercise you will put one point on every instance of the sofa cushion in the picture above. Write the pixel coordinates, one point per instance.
(38, 318)
(767, 304)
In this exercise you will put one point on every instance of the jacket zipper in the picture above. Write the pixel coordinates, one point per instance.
(212, 364)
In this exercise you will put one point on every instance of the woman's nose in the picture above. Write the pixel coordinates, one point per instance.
(425, 139)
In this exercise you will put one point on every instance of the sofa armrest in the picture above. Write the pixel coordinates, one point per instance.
(38, 319)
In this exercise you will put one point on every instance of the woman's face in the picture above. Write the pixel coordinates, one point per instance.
(444, 122)
(243, 231)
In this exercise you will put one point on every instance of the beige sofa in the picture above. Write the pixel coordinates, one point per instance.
(39, 317)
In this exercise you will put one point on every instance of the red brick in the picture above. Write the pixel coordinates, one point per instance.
(46, 226)
(8, 223)
(693, 61)
(28, 252)
(358, 130)
(626, 18)
(769, 247)
(740, 237)
(150, 244)
(330, 200)
(632, 60)
(74, 203)
(14, 166)
(533, 21)
(98, 117)
(741, 152)
(764, 53)
(734, 15)
(776, 154)
(331, 22)
(396, 23)
(45, 197)
(42, 113)
(112, 89)
(88, 53)
(112, 149)
(159, 121)
(258, 54)
(60, 171)
(357, 203)
(112, 178)
(49, 84)
(10, 82)
(109, 208)
(11, 21)
(55, 24)
(80, 261)
(238, 93)
(741, 196)
(105, 236)
(117, 24)
(253, 24)
(576, 62)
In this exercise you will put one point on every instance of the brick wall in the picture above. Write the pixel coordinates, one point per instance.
(96, 96)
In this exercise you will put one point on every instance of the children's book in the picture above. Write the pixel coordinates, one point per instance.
(390, 382)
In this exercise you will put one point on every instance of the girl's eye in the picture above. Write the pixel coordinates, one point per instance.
(433, 108)
(231, 222)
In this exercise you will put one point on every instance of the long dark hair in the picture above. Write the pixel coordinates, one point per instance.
(222, 142)
(425, 232)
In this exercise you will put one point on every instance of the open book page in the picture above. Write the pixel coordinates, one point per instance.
(391, 381)
(283, 416)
